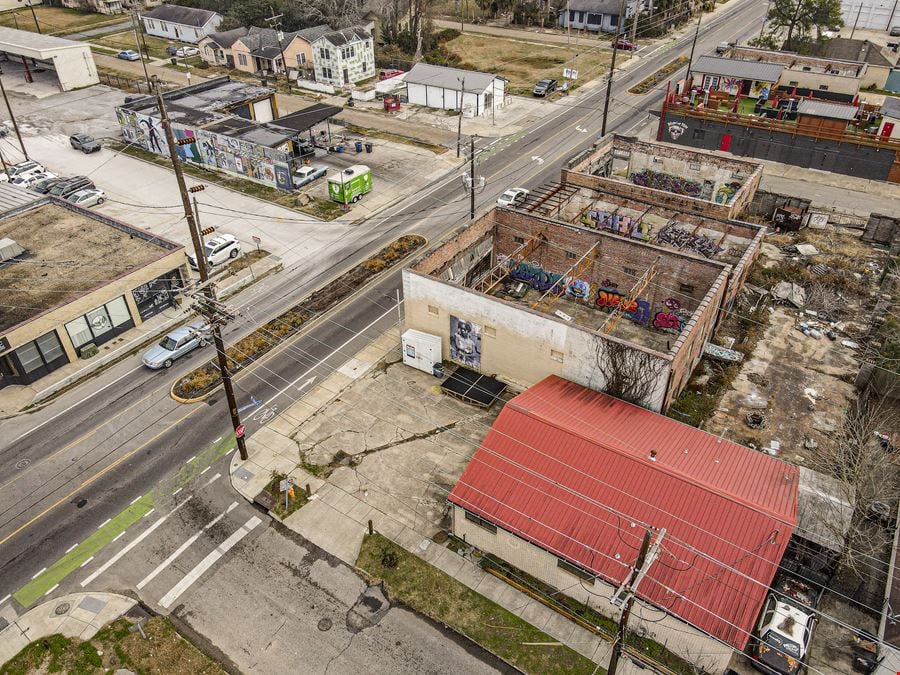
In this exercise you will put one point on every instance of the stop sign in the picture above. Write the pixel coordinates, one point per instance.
(239, 432)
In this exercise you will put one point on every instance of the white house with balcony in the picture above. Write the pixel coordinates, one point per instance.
(344, 57)
(185, 24)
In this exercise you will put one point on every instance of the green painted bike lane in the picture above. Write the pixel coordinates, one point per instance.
(77, 557)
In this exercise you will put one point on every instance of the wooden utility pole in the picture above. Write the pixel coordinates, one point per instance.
(34, 16)
(208, 288)
(626, 610)
(693, 46)
(142, 49)
(462, 99)
(634, 24)
(12, 117)
(274, 22)
(612, 67)
(472, 177)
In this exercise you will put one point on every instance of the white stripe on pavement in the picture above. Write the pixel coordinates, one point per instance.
(208, 562)
(181, 549)
(143, 535)
(212, 480)
(5, 598)
(51, 590)
(86, 561)
(39, 573)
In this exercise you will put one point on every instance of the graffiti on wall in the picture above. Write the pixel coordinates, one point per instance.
(538, 278)
(636, 309)
(671, 319)
(657, 180)
(625, 225)
(725, 194)
(465, 342)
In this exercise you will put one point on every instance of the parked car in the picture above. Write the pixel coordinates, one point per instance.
(84, 142)
(176, 344)
(25, 167)
(389, 73)
(68, 187)
(29, 179)
(307, 174)
(129, 55)
(44, 186)
(183, 52)
(88, 197)
(627, 45)
(723, 47)
(218, 250)
(544, 88)
(513, 197)
(895, 31)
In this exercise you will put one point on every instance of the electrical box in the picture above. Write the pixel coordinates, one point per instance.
(421, 350)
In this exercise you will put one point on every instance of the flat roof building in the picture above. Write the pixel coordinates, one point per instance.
(82, 279)
(71, 60)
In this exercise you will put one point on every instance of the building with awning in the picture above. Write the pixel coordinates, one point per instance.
(734, 76)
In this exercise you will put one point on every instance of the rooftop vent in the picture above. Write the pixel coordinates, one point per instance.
(9, 249)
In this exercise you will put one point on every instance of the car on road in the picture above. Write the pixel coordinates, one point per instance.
(722, 48)
(129, 55)
(176, 344)
(513, 197)
(307, 174)
(88, 197)
(84, 142)
(895, 31)
(627, 45)
(29, 179)
(183, 52)
(219, 249)
(71, 186)
(544, 87)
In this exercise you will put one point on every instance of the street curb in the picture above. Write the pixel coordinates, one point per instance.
(312, 322)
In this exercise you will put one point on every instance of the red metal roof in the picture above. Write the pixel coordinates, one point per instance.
(569, 469)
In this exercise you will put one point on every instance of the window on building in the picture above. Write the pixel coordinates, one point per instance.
(710, 82)
(793, 83)
(594, 19)
(434, 311)
(613, 19)
(574, 569)
(630, 271)
(242, 59)
(570, 255)
(326, 73)
(163, 26)
(100, 324)
(571, 15)
(823, 87)
(518, 240)
(150, 24)
(324, 54)
(196, 33)
(490, 331)
(301, 58)
(698, 134)
(556, 356)
(481, 522)
(685, 288)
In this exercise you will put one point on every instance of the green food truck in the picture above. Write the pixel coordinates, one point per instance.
(350, 184)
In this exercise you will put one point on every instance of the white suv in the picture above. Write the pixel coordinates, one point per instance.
(219, 249)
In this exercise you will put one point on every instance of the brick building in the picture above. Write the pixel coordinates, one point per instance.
(538, 296)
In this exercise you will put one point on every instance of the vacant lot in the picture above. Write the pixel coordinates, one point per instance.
(57, 20)
(523, 63)
(125, 40)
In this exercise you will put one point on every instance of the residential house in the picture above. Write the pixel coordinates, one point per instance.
(879, 61)
(344, 57)
(186, 24)
(261, 50)
(441, 87)
(890, 120)
(734, 76)
(593, 15)
(215, 48)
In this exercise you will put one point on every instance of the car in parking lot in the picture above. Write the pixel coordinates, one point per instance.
(70, 186)
(183, 52)
(218, 250)
(307, 174)
(544, 87)
(45, 185)
(88, 197)
(176, 344)
(29, 179)
(513, 197)
(84, 142)
(24, 167)
(895, 31)
(129, 55)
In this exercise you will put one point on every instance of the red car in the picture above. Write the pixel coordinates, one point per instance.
(388, 74)
(622, 43)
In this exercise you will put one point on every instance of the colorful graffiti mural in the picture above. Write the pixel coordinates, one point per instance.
(671, 319)
(725, 194)
(657, 180)
(625, 225)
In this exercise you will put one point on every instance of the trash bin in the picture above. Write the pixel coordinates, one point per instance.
(340, 148)
(368, 147)
(359, 146)
(438, 369)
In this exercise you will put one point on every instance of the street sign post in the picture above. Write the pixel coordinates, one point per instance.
(257, 241)
(239, 432)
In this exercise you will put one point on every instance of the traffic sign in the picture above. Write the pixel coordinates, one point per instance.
(255, 239)
(239, 432)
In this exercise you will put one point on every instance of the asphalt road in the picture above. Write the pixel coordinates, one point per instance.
(67, 469)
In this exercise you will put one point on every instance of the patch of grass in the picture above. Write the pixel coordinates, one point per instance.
(648, 83)
(317, 470)
(296, 496)
(523, 63)
(156, 46)
(424, 588)
(384, 135)
(56, 20)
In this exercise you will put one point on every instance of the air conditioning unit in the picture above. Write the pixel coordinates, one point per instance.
(9, 249)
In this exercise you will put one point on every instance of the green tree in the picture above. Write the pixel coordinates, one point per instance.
(794, 22)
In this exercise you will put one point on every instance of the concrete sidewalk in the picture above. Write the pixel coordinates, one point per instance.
(77, 615)
(336, 518)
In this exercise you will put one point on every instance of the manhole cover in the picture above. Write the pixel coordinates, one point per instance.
(61, 608)
(22, 463)
(324, 624)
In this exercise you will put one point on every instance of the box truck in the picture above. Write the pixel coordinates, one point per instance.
(350, 184)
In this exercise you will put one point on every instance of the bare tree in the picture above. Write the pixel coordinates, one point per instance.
(860, 456)
(629, 374)
(336, 13)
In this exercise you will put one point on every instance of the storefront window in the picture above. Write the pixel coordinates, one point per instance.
(79, 332)
(155, 296)
(98, 320)
(35, 359)
(50, 347)
(118, 311)
(30, 357)
(100, 324)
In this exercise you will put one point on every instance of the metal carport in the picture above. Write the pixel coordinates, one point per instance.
(71, 60)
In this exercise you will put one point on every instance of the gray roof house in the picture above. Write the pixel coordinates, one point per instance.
(755, 71)
(594, 15)
(174, 22)
(452, 88)
(261, 49)
(215, 48)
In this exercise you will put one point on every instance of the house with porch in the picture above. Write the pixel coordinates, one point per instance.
(594, 15)
(344, 57)
(261, 50)
(215, 48)
(187, 24)
(732, 77)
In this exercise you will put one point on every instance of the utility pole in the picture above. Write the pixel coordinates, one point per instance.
(645, 559)
(274, 22)
(765, 19)
(208, 289)
(33, 16)
(852, 30)
(5, 166)
(13, 118)
(137, 43)
(693, 46)
(612, 67)
(462, 98)
(634, 24)
(472, 178)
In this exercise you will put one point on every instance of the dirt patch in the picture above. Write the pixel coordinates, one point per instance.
(647, 84)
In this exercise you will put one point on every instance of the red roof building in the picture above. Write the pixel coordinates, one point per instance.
(579, 474)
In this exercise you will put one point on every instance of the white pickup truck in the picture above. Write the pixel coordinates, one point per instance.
(785, 628)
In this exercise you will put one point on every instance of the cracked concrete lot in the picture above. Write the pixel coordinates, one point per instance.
(394, 441)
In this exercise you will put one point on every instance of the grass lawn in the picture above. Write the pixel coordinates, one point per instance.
(114, 647)
(57, 20)
(524, 63)
(415, 583)
(125, 40)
